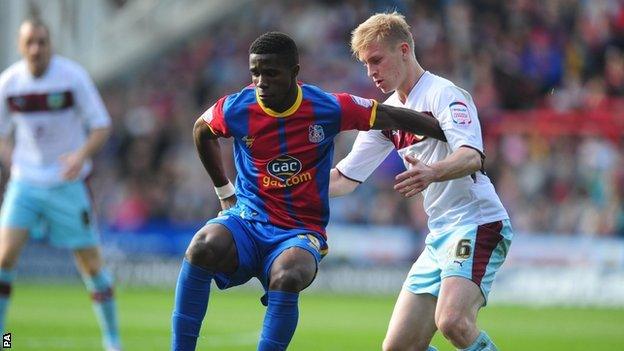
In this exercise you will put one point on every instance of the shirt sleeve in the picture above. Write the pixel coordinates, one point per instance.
(369, 150)
(215, 118)
(5, 118)
(356, 112)
(90, 102)
(458, 118)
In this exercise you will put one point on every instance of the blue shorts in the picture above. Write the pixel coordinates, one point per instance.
(258, 244)
(474, 252)
(61, 213)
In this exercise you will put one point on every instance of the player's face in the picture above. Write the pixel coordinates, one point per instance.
(385, 65)
(34, 45)
(275, 80)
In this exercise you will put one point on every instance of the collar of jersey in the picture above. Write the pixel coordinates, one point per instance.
(286, 113)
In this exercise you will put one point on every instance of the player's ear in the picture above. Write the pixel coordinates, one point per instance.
(405, 49)
(295, 71)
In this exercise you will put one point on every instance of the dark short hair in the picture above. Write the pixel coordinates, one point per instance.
(276, 43)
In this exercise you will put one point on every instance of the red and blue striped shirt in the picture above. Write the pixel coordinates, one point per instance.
(283, 159)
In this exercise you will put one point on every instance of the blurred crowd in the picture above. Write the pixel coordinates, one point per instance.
(564, 56)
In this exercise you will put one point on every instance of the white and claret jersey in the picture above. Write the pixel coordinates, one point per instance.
(51, 114)
(467, 200)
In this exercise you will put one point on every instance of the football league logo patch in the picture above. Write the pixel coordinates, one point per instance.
(460, 114)
(207, 116)
(316, 133)
(366, 103)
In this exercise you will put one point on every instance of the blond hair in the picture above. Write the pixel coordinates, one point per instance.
(381, 27)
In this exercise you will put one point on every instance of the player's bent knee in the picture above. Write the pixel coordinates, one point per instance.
(208, 248)
(7, 261)
(291, 279)
(455, 326)
(92, 271)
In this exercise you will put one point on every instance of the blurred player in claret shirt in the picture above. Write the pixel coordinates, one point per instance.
(470, 232)
(272, 226)
(60, 122)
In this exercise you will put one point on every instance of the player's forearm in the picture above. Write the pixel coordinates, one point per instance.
(209, 152)
(390, 117)
(462, 162)
(5, 152)
(96, 140)
(340, 185)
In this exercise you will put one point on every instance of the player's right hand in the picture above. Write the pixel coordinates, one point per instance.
(415, 179)
(72, 165)
(227, 203)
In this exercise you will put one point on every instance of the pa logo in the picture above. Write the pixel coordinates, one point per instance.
(6, 341)
(284, 167)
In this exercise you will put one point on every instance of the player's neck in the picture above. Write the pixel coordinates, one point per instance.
(414, 73)
(38, 71)
(288, 101)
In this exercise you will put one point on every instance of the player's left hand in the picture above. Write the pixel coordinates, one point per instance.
(72, 165)
(415, 179)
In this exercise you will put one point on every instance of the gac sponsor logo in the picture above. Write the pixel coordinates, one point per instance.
(284, 167)
(273, 183)
(284, 170)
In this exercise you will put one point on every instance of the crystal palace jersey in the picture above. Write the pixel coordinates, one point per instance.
(465, 200)
(283, 159)
(51, 115)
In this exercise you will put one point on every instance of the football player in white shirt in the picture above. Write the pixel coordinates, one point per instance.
(470, 232)
(60, 121)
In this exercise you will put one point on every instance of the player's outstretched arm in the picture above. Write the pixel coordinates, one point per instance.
(390, 117)
(462, 162)
(340, 185)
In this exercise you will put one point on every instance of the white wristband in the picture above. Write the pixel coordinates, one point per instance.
(223, 192)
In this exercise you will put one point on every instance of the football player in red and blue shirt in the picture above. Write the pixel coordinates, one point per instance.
(272, 226)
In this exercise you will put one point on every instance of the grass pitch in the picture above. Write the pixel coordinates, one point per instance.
(59, 317)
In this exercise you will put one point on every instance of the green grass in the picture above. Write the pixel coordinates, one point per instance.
(45, 317)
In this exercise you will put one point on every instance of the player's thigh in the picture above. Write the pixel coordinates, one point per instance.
(213, 248)
(88, 260)
(475, 252)
(460, 300)
(22, 206)
(21, 210)
(412, 324)
(69, 214)
(12, 240)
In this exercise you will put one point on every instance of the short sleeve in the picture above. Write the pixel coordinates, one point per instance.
(356, 112)
(5, 118)
(458, 118)
(369, 150)
(215, 118)
(90, 102)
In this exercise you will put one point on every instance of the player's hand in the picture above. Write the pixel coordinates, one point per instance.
(415, 179)
(72, 165)
(227, 203)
